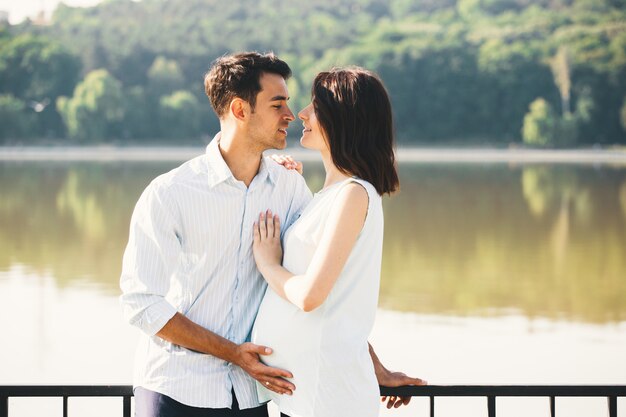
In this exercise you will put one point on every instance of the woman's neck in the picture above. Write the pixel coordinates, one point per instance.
(333, 174)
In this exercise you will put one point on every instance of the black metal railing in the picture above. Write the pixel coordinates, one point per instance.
(490, 392)
(65, 392)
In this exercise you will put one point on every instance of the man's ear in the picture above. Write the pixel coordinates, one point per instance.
(239, 108)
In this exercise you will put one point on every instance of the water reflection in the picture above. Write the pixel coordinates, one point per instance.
(539, 240)
(460, 239)
(70, 220)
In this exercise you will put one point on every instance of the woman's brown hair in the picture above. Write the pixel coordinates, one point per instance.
(354, 111)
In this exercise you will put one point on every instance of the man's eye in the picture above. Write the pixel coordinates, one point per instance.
(277, 106)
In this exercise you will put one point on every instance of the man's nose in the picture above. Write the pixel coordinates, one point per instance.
(289, 115)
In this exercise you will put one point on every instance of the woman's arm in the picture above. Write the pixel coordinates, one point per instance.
(309, 291)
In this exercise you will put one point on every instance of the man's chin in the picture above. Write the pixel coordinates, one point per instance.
(280, 143)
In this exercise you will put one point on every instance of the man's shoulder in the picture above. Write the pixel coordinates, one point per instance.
(283, 175)
(189, 171)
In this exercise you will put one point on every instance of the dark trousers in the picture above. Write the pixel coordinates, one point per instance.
(152, 404)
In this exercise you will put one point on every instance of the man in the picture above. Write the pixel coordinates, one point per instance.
(189, 280)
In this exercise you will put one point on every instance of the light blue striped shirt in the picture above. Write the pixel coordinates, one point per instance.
(190, 251)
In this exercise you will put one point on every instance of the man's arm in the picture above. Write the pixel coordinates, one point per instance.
(149, 261)
(389, 378)
(184, 332)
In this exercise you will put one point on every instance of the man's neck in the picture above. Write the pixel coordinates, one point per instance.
(244, 163)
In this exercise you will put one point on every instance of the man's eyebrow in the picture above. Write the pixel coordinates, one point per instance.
(279, 98)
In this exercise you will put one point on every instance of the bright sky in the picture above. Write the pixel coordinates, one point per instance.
(20, 9)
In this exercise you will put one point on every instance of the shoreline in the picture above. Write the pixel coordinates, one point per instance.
(419, 154)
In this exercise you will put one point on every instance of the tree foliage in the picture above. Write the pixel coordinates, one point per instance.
(540, 124)
(15, 118)
(94, 111)
(462, 70)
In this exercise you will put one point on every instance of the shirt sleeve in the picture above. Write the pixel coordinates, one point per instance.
(301, 198)
(152, 253)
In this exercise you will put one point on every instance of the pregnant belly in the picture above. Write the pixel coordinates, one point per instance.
(292, 334)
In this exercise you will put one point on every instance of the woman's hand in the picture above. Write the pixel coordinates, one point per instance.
(288, 162)
(266, 247)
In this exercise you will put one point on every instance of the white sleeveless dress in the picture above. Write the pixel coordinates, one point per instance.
(326, 350)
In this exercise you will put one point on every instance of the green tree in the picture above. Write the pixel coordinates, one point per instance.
(15, 119)
(37, 70)
(180, 115)
(138, 121)
(96, 109)
(456, 69)
(561, 69)
(164, 77)
(540, 124)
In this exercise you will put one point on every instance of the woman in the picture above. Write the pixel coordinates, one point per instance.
(321, 304)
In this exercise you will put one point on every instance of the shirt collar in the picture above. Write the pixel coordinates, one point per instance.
(219, 171)
(267, 170)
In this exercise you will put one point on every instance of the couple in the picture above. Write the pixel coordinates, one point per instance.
(205, 242)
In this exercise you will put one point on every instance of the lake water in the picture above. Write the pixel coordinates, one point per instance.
(493, 273)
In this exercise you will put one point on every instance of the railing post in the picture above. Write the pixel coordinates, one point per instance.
(432, 406)
(552, 407)
(65, 406)
(491, 406)
(612, 406)
(126, 406)
(4, 406)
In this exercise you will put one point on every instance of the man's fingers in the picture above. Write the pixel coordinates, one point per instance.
(276, 372)
(277, 386)
(281, 384)
(261, 350)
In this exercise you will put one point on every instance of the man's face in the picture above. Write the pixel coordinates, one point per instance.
(268, 123)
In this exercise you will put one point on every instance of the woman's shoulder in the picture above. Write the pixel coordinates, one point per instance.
(358, 185)
(357, 195)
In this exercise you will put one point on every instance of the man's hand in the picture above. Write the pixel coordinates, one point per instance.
(388, 378)
(288, 162)
(247, 358)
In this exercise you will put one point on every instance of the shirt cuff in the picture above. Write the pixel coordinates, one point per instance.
(156, 316)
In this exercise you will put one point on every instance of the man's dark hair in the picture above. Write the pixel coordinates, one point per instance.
(238, 75)
(354, 111)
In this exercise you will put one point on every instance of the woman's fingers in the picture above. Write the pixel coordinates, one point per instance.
(255, 232)
(276, 226)
(270, 224)
(262, 226)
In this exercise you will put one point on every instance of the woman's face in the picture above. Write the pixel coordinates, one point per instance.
(312, 134)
